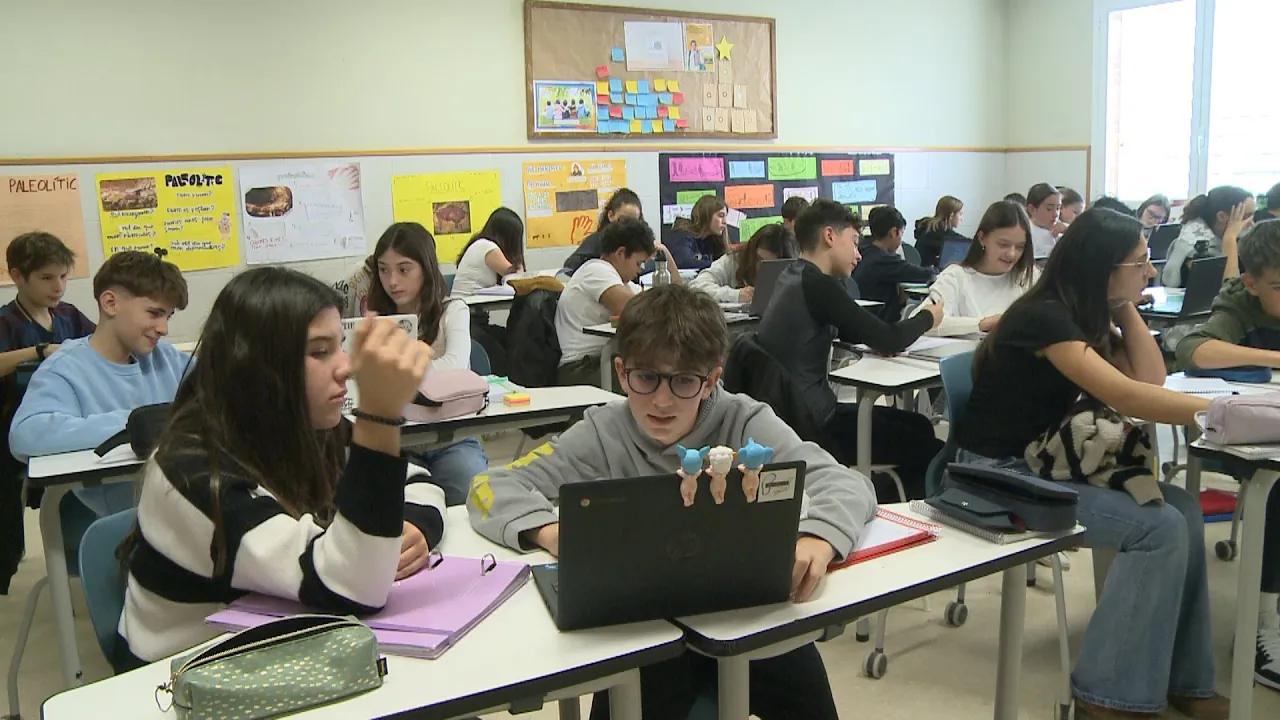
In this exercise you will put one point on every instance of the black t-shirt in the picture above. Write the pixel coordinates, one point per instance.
(1017, 395)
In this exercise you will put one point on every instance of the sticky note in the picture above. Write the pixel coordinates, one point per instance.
(689, 197)
(603, 108)
(673, 85)
(603, 127)
(665, 98)
(793, 167)
(615, 97)
(628, 112)
(642, 86)
(677, 98)
(642, 112)
(615, 85)
(631, 98)
(657, 125)
(635, 125)
(649, 99)
(873, 167)
(623, 126)
(669, 125)
(662, 111)
(632, 86)
(516, 399)
(660, 85)
(855, 191)
(837, 168)
(749, 196)
(746, 169)
(695, 169)
(619, 55)
(645, 127)
(740, 96)
(615, 111)
(737, 121)
(602, 71)
(602, 87)
(673, 113)
(682, 123)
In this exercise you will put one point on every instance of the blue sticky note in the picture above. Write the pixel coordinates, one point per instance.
(669, 125)
(624, 127)
(618, 55)
(642, 112)
(646, 128)
(603, 109)
(631, 99)
(604, 127)
(615, 85)
(649, 99)
(615, 98)
(642, 86)
(664, 98)
(628, 112)
(855, 191)
(746, 169)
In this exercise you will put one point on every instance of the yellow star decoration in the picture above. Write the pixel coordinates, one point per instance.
(723, 47)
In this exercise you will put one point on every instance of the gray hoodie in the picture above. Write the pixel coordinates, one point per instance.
(608, 443)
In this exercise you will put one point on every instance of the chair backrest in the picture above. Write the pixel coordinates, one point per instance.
(448, 283)
(102, 577)
(479, 359)
(851, 287)
(957, 382)
(911, 254)
(750, 370)
(1161, 238)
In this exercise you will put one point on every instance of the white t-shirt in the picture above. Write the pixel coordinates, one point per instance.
(453, 343)
(473, 274)
(1042, 241)
(580, 307)
(968, 296)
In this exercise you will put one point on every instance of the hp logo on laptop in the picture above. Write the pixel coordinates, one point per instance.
(683, 546)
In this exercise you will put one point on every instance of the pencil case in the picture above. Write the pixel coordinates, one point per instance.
(1242, 419)
(1005, 501)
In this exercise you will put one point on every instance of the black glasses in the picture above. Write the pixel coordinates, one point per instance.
(683, 385)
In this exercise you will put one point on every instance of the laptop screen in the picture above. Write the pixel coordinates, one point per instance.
(953, 251)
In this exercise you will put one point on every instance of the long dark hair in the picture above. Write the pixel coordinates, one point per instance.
(624, 196)
(1078, 275)
(414, 242)
(999, 216)
(1206, 207)
(699, 222)
(505, 228)
(775, 238)
(241, 414)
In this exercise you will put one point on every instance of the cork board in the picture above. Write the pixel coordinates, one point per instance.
(615, 79)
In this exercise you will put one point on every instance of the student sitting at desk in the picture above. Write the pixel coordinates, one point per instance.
(1154, 211)
(1149, 642)
(1211, 224)
(1244, 329)
(881, 269)
(791, 210)
(598, 291)
(672, 343)
(1272, 210)
(1044, 204)
(84, 393)
(1072, 206)
(810, 308)
(249, 491)
(933, 232)
(494, 252)
(410, 283)
(997, 270)
(622, 204)
(732, 278)
(31, 328)
(700, 241)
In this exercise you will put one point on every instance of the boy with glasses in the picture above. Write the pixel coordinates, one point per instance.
(672, 343)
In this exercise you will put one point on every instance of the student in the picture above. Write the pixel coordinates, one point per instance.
(732, 278)
(1072, 205)
(1148, 643)
(1272, 210)
(882, 269)
(599, 290)
(1211, 224)
(31, 328)
(1044, 202)
(1154, 211)
(791, 210)
(410, 283)
(622, 204)
(249, 491)
(997, 270)
(808, 301)
(1015, 197)
(494, 252)
(700, 241)
(1244, 329)
(933, 232)
(672, 344)
(84, 394)
(1107, 202)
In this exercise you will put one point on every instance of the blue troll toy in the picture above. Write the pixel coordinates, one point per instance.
(752, 457)
(691, 462)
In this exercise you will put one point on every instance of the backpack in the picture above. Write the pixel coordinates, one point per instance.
(531, 337)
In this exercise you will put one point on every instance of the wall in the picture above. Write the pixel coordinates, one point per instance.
(1050, 72)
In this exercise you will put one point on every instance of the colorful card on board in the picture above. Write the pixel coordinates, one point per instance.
(623, 126)
(602, 71)
(665, 98)
(682, 123)
(628, 112)
(642, 86)
(604, 127)
(615, 111)
(662, 111)
(645, 128)
(660, 85)
(631, 98)
(669, 125)
(636, 126)
(673, 85)
(657, 125)
(677, 98)
(616, 98)
(673, 113)
(619, 55)
(632, 86)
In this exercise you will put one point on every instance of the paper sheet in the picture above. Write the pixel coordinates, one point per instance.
(451, 205)
(190, 212)
(50, 203)
(324, 217)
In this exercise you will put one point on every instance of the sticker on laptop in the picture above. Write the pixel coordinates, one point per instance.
(777, 485)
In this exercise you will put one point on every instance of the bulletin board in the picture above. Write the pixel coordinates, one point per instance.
(597, 71)
(755, 185)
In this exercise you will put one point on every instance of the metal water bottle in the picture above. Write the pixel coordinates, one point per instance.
(661, 276)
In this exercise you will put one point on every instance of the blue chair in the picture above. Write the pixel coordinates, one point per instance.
(448, 284)
(479, 359)
(102, 577)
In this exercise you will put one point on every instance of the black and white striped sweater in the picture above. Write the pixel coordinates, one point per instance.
(346, 568)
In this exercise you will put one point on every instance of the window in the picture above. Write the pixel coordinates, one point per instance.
(1244, 111)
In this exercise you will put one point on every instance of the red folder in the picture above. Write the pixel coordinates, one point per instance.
(888, 532)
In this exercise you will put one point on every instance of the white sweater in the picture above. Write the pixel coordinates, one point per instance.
(720, 280)
(968, 296)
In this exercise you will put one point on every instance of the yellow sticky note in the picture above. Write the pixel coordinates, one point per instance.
(637, 126)
(673, 112)
(657, 125)
(631, 87)
(673, 86)
(659, 85)
(602, 87)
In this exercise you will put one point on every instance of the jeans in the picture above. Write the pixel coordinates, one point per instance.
(1149, 636)
(452, 467)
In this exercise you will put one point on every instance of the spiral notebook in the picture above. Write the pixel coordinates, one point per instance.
(999, 538)
(888, 532)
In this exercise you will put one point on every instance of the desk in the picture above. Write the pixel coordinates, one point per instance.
(736, 637)
(515, 659)
(488, 303)
(58, 474)
(875, 376)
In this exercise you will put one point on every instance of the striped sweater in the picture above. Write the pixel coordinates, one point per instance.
(346, 568)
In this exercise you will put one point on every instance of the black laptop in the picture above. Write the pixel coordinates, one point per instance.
(766, 280)
(1162, 237)
(953, 251)
(631, 551)
(1203, 281)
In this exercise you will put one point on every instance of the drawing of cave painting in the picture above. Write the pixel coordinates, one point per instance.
(691, 461)
(751, 458)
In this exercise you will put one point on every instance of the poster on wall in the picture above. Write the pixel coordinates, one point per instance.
(50, 203)
(189, 213)
(301, 211)
(654, 45)
(453, 206)
(563, 199)
(565, 106)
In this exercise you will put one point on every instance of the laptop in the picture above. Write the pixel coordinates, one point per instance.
(953, 251)
(766, 280)
(1162, 236)
(631, 551)
(1203, 281)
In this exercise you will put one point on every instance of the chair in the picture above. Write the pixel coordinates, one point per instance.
(102, 577)
(479, 359)
(851, 287)
(911, 254)
(448, 283)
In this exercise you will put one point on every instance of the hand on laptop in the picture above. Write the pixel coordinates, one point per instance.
(746, 294)
(546, 537)
(813, 555)
(413, 551)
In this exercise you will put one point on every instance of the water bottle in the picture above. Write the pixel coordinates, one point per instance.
(661, 276)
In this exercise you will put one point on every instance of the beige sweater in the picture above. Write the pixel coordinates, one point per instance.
(1098, 446)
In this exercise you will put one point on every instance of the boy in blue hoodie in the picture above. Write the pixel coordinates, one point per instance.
(84, 392)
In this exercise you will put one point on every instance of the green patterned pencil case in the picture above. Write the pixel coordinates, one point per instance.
(277, 668)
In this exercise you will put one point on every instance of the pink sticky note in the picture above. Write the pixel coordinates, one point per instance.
(682, 123)
(602, 71)
(615, 111)
(696, 169)
(662, 111)
(677, 98)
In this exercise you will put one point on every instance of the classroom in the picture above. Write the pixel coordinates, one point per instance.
(1013, 255)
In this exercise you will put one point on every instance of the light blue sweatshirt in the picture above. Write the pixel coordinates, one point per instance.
(77, 398)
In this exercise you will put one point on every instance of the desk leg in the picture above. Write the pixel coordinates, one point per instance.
(624, 698)
(1192, 483)
(1013, 610)
(735, 687)
(571, 709)
(606, 364)
(55, 563)
(1250, 579)
(866, 402)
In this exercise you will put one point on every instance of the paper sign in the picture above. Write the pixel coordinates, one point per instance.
(677, 98)
(854, 191)
(708, 119)
(749, 196)
(837, 168)
(808, 193)
(696, 169)
(673, 85)
(50, 203)
(302, 211)
(615, 85)
(750, 226)
(654, 45)
(191, 213)
(619, 55)
(408, 323)
(737, 120)
(602, 89)
(740, 96)
(632, 86)
(563, 198)
(873, 167)
(724, 95)
(734, 218)
(746, 169)
(452, 206)
(670, 213)
(750, 117)
(709, 94)
(689, 197)
(793, 168)
(866, 210)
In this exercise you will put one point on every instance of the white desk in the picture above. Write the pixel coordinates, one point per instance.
(736, 637)
(488, 302)
(515, 659)
(875, 376)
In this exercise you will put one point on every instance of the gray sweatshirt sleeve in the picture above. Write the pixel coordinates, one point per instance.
(505, 502)
(1174, 259)
(841, 501)
(717, 280)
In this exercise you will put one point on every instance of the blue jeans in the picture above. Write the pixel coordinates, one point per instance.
(452, 467)
(1149, 636)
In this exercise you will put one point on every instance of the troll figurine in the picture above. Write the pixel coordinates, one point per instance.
(691, 461)
(751, 458)
(721, 458)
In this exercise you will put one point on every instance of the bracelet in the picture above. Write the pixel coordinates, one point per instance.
(362, 415)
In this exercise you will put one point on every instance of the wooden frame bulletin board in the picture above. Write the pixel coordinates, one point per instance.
(601, 71)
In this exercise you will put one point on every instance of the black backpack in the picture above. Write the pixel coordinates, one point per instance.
(531, 337)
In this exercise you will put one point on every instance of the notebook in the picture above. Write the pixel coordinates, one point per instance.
(1204, 387)
(887, 533)
(923, 508)
(438, 605)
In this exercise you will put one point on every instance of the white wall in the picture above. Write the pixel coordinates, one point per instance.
(1050, 72)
